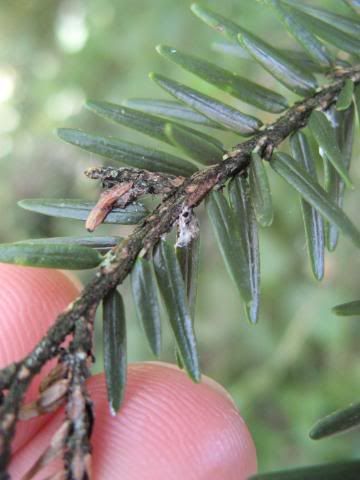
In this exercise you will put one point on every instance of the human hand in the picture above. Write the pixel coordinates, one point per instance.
(168, 427)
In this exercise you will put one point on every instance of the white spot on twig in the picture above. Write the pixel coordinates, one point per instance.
(188, 227)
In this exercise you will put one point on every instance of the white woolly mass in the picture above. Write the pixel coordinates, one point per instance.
(188, 228)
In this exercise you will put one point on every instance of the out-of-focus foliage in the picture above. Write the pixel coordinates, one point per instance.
(300, 361)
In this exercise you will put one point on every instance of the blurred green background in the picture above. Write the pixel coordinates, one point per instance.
(300, 362)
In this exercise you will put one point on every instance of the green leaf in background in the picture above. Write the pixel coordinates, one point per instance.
(357, 100)
(343, 123)
(240, 199)
(231, 30)
(260, 191)
(347, 309)
(77, 209)
(325, 137)
(128, 153)
(216, 21)
(215, 110)
(313, 193)
(178, 359)
(226, 227)
(340, 22)
(353, 4)
(146, 302)
(114, 348)
(345, 133)
(102, 244)
(230, 48)
(313, 222)
(51, 255)
(172, 288)
(292, 22)
(227, 81)
(283, 69)
(330, 471)
(145, 123)
(300, 58)
(330, 33)
(334, 186)
(170, 109)
(194, 146)
(336, 422)
(345, 97)
(188, 257)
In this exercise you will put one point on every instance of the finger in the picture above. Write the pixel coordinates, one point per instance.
(30, 300)
(168, 428)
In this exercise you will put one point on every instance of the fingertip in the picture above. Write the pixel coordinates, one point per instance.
(30, 300)
(170, 428)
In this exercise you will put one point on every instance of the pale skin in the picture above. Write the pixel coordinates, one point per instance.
(168, 428)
